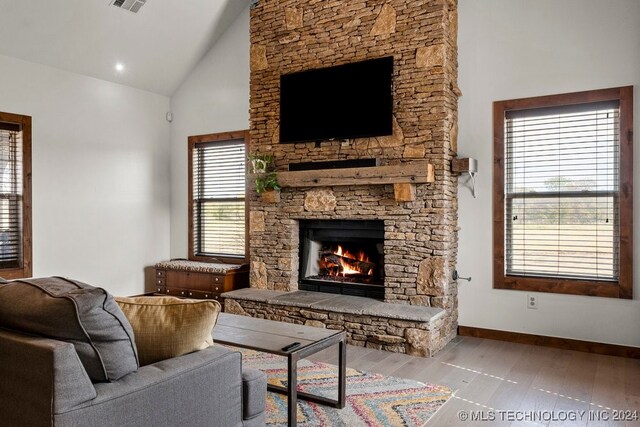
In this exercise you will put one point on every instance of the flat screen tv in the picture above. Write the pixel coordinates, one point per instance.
(346, 101)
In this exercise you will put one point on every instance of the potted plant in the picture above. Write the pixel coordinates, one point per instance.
(268, 188)
(266, 177)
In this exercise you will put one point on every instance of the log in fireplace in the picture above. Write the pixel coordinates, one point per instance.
(342, 257)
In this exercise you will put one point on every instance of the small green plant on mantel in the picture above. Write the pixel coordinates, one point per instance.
(266, 177)
(267, 182)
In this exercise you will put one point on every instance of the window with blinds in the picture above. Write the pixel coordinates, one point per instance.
(218, 197)
(10, 195)
(15, 196)
(561, 191)
(563, 211)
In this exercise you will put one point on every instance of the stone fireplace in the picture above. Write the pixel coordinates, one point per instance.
(413, 254)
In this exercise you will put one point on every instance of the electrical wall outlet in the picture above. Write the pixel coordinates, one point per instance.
(532, 302)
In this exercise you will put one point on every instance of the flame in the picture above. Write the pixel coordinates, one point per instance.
(346, 267)
(346, 263)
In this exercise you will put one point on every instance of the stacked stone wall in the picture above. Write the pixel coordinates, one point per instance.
(420, 236)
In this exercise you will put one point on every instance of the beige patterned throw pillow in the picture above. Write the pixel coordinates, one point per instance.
(166, 327)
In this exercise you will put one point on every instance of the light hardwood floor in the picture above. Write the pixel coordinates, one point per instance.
(494, 375)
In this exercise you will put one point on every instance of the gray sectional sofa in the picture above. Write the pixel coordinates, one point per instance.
(43, 383)
(44, 380)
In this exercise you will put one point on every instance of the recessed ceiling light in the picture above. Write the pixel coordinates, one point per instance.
(119, 67)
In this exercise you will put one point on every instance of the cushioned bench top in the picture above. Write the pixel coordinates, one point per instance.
(202, 267)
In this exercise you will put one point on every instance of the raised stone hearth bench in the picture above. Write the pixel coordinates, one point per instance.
(400, 328)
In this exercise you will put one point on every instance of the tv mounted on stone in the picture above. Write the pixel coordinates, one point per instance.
(341, 102)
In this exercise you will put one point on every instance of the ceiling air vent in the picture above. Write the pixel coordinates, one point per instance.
(130, 5)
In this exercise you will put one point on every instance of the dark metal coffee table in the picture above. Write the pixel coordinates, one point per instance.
(270, 337)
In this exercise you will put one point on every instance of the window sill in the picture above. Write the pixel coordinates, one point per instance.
(15, 273)
(562, 286)
(219, 259)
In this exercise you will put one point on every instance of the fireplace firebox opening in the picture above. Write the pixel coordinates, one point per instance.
(342, 257)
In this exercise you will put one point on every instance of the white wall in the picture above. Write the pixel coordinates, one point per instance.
(213, 98)
(100, 174)
(519, 48)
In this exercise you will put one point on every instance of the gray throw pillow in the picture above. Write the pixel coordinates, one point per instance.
(74, 312)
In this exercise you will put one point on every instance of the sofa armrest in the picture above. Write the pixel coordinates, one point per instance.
(192, 390)
(254, 393)
(39, 376)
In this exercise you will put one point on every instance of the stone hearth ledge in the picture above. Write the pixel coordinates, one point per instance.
(416, 330)
(345, 304)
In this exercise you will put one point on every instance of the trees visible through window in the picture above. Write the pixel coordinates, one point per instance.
(563, 193)
(15, 196)
(217, 210)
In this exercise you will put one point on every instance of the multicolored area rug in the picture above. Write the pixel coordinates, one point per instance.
(372, 399)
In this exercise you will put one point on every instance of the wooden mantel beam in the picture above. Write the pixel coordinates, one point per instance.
(416, 172)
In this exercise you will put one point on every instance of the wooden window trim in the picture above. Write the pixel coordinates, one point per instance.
(624, 287)
(214, 137)
(26, 269)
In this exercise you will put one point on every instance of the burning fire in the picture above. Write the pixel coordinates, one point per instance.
(344, 263)
(346, 255)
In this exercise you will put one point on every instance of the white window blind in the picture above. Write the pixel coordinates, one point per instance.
(10, 195)
(561, 192)
(219, 198)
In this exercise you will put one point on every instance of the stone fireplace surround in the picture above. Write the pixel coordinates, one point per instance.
(419, 312)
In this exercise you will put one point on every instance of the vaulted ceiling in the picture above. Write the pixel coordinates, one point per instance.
(158, 46)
